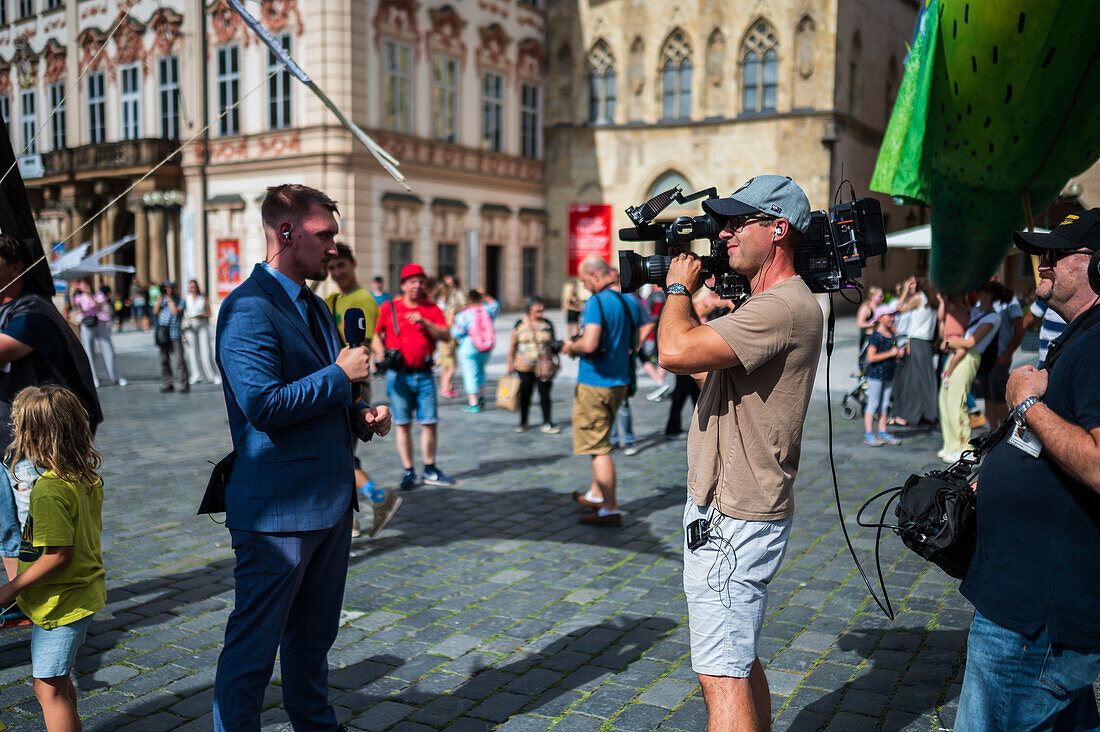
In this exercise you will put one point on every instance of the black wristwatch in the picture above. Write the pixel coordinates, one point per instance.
(677, 289)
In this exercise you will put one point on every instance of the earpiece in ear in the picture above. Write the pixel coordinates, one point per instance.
(779, 231)
(286, 234)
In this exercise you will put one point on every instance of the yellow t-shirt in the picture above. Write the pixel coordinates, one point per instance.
(358, 298)
(64, 514)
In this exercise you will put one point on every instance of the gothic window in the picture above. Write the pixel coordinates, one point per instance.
(759, 68)
(397, 86)
(676, 77)
(601, 85)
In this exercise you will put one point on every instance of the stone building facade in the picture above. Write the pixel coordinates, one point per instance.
(453, 90)
(712, 92)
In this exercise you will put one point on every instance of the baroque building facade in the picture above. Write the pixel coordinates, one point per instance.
(453, 90)
(712, 92)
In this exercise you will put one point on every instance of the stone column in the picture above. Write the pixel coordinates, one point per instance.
(141, 246)
(172, 241)
(158, 262)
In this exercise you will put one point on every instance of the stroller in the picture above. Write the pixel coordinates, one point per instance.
(855, 401)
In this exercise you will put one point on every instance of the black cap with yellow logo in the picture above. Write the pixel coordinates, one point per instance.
(1078, 231)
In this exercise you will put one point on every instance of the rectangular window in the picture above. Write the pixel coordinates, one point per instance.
(400, 255)
(444, 98)
(26, 8)
(397, 86)
(58, 140)
(168, 92)
(129, 86)
(530, 271)
(229, 91)
(51, 4)
(97, 108)
(29, 108)
(530, 121)
(447, 259)
(492, 111)
(3, 12)
(278, 88)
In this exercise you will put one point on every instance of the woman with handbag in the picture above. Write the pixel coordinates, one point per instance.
(532, 356)
(196, 336)
(168, 335)
(94, 313)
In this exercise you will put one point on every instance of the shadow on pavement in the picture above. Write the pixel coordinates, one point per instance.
(546, 679)
(897, 694)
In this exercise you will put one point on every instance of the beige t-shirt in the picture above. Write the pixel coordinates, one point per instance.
(746, 434)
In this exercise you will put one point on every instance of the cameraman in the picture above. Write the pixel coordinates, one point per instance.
(756, 366)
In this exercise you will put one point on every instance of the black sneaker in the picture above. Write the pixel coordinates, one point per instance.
(435, 476)
(409, 481)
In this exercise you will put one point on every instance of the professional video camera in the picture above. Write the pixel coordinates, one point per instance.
(831, 257)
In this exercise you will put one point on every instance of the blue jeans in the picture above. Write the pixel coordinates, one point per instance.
(622, 432)
(412, 390)
(472, 362)
(1016, 683)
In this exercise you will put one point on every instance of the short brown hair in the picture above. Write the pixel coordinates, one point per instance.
(12, 250)
(291, 200)
(343, 251)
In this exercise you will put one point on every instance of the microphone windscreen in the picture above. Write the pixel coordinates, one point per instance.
(355, 326)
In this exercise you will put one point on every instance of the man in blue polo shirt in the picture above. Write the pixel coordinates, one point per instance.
(610, 323)
(1034, 647)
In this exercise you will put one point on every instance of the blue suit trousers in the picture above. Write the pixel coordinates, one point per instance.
(289, 592)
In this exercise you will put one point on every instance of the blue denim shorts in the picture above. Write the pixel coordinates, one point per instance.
(726, 588)
(412, 390)
(53, 652)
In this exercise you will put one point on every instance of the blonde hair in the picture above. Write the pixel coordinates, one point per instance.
(51, 430)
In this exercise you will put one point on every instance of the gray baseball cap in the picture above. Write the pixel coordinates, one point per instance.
(772, 195)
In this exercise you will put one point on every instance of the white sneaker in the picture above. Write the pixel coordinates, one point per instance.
(659, 393)
(951, 457)
(217, 381)
(193, 380)
(122, 382)
(95, 382)
(631, 450)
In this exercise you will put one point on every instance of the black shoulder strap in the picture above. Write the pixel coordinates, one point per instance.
(396, 327)
(1080, 325)
(629, 318)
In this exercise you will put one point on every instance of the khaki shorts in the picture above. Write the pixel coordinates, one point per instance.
(447, 353)
(594, 410)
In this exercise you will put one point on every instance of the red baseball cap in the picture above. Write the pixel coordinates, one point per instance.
(412, 270)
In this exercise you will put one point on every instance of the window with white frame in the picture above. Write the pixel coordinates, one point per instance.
(601, 85)
(676, 77)
(530, 121)
(229, 90)
(97, 107)
(278, 88)
(168, 93)
(26, 8)
(129, 95)
(58, 140)
(759, 69)
(51, 4)
(397, 86)
(29, 109)
(492, 111)
(445, 98)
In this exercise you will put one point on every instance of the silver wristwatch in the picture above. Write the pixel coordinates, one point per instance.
(677, 289)
(1021, 409)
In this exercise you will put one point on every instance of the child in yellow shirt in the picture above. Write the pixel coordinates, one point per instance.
(61, 580)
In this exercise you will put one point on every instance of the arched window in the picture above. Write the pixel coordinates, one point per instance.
(759, 68)
(602, 91)
(667, 180)
(676, 77)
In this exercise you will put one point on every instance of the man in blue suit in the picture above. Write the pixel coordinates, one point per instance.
(291, 493)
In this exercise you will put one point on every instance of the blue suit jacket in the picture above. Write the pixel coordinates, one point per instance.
(290, 413)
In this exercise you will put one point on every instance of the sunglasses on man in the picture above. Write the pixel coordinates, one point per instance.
(1051, 256)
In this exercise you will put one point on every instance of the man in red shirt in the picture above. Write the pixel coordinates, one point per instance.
(413, 324)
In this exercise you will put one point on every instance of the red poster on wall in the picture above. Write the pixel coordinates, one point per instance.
(589, 233)
(229, 265)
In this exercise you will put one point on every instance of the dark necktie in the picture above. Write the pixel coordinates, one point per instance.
(314, 322)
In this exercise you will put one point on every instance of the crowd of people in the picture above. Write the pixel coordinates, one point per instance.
(926, 359)
(299, 402)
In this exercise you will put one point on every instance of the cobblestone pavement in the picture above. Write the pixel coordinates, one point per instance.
(487, 604)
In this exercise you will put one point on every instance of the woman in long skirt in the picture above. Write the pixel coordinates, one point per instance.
(915, 386)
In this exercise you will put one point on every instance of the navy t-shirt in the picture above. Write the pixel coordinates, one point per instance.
(882, 370)
(38, 332)
(1038, 529)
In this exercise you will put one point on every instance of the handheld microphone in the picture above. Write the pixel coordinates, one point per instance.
(355, 333)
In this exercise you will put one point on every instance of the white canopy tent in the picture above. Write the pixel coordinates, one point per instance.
(919, 237)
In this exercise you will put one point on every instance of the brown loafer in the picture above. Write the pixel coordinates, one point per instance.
(579, 497)
(595, 519)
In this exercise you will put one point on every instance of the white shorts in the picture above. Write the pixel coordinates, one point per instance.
(726, 586)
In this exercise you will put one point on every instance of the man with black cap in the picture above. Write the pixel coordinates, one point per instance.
(1034, 647)
(756, 368)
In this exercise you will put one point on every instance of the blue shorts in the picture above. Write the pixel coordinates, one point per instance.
(409, 390)
(53, 652)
